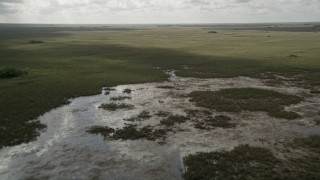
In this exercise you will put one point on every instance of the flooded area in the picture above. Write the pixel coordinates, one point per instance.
(65, 150)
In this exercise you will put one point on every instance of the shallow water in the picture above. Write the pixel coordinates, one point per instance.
(64, 150)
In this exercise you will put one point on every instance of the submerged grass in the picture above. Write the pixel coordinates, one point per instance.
(120, 98)
(218, 121)
(140, 117)
(129, 132)
(114, 106)
(237, 99)
(173, 119)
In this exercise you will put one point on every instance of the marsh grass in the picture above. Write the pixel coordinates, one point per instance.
(312, 143)
(162, 114)
(129, 132)
(244, 162)
(140, 117)
(114, 106)
(251, 99)
(127, 91)
(247, 162)
(103, 130)
(7, 73)
(166, 87)
(120, 98)
(218, 121)
(35, 42)
(193, 113)
(173, 119)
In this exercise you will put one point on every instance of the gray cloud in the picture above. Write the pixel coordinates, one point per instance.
(154, 11)
(8, 6)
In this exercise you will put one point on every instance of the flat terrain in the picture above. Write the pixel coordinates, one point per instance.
(42, 67)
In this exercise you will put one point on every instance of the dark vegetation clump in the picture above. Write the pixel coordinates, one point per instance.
(114, 106)
(35, 42)
(140, 117)
(173, 119)
(311, 143)
(293, 56)
(166, 87)
(162, 114)
(212, 32)
(109, 89)
(103, 130)
(119, 98)
(127, 91)
(315, 91)
(244, 162)
(251, 99)
(198, 113)
(218, 121)
(7, 73)
(129, 132)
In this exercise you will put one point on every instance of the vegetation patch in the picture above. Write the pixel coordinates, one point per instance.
(7, 73)
(311, 143)
(166, 87)
(35, 42)
(127, 91)
(198, 113)
(162, 114)
(212, 32)
(251, 99)
(129, 132)
(140, 117)
(103, 130)
(218, 121)
(120, 98)
(114, 106)
(244, 162)
(293, 56)
(315, 91)
(173, 119)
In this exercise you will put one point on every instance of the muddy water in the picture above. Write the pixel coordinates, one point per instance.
(65, 151)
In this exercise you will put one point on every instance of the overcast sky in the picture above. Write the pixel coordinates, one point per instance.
(158, 11)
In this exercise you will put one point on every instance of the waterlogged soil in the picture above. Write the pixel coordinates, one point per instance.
(65, 149)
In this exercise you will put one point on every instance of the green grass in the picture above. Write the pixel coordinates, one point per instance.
(79, 61)
(251, 99)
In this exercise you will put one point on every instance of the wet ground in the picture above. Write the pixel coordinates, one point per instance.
(65, 150)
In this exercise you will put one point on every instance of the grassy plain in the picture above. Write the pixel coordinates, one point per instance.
(75, 61)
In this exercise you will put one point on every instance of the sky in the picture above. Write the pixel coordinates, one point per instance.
(157, 11)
